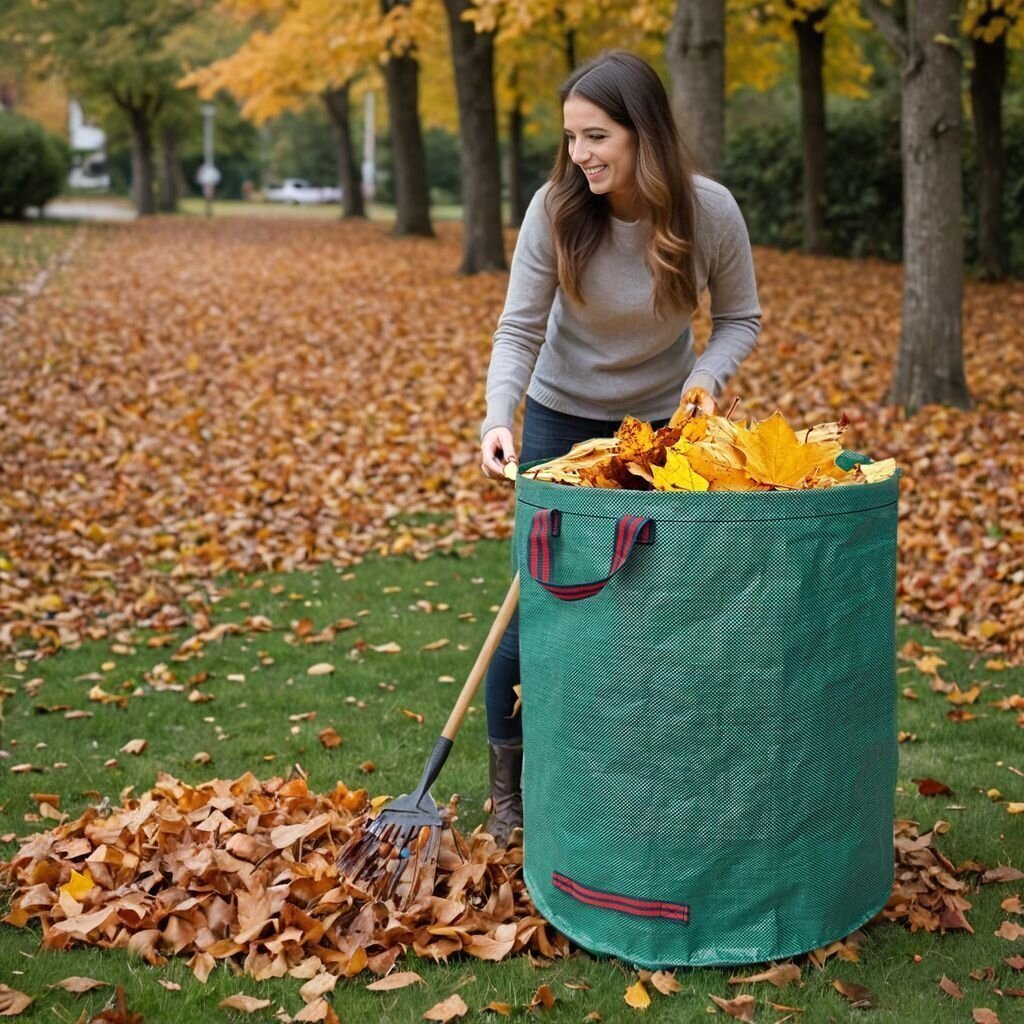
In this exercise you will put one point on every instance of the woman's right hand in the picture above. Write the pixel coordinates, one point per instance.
(496, 449)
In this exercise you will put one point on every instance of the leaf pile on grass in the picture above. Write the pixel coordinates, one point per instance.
(927, 894)
(166, 420)
(244, 871)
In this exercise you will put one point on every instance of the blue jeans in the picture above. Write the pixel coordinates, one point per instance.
(546, 435)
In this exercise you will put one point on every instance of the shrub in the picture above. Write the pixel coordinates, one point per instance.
(33, 165)
(864, 206)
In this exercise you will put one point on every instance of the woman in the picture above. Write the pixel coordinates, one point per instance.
(612, 258)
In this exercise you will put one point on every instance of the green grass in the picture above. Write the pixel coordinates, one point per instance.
(25, 248)
(247, 727)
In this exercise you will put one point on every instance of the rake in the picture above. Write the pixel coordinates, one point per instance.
(404, 839)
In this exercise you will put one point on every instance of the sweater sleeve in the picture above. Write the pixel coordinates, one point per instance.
(735, 311)
(522, 325)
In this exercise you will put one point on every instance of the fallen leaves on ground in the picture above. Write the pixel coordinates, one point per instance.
(448, 1009)
(637, 997)
(858, 996)
(740, 1008)
(167, 420)
(245, 871)
(779, 975)
(13, 1002)
(926, 893)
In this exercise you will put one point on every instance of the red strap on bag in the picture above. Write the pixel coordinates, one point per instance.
(546, 524)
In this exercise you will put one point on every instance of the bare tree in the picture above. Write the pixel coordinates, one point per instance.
(696, 66)
(930, 365)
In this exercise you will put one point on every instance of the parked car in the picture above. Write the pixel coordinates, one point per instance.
(298, 190)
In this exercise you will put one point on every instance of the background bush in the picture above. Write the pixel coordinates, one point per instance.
(34, 165)
(763, 168)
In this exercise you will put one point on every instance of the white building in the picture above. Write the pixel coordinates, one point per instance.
(90, 156)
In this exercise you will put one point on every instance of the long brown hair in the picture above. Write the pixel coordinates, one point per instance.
(630, 92)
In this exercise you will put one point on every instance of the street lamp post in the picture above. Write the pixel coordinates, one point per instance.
(208, 176)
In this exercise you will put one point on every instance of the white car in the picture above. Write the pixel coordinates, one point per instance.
(298, 190)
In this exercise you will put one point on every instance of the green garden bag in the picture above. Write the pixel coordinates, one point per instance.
(709, 716)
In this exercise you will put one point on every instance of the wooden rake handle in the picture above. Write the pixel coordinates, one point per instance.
(483, 659)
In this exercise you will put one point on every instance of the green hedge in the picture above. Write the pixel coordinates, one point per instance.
(33, 165)
(763, 168)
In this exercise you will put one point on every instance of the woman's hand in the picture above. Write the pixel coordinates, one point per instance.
(496, 449)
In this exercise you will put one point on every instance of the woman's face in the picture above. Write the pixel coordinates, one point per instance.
(605, 152)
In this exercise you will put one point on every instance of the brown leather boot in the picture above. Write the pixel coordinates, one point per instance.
(506, 769)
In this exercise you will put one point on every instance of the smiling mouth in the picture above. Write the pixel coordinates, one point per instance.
(591, 172)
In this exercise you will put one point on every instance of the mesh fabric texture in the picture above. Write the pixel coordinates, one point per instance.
(715, 729)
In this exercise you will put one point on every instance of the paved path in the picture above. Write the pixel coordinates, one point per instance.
(89, 209)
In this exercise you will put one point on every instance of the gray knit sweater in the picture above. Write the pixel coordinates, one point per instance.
(611, 355)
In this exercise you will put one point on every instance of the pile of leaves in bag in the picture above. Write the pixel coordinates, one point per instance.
(702, 450)
(245, 871)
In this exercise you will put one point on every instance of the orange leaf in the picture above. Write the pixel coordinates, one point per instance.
(740, 1008)
(447, 1009)
(637, 997)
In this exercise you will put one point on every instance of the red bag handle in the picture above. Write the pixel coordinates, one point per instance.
(546, 524)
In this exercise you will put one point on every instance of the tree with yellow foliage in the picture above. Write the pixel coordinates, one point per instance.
(306, 48)
(292, 54)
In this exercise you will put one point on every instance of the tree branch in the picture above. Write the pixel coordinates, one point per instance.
(889, 28)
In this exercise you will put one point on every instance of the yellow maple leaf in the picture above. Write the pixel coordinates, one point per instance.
(677, 474)
(637, 997)
(78, 885)
(634, 436)
(774, 454)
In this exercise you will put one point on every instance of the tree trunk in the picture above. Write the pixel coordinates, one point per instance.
(696, 65)
(810, 40)
(930, 365)
(516, 198)
(170, 171)
(142, 161)
(483, 245)
(412, 195)
(350, 178)
(987, 81)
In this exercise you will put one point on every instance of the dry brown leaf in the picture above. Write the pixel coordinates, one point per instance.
(780, 976)
(1002, 873)
(1010, 930)
(543, 997)
(243, 1003)
(317, 1010)
(118, 1014)
(665, 982)
(78, 984)
(321, 668)
(447, 1009)
(1012, 905)
(399, 979)
(329, 738)
(740, 1008)
(984, 1016)
(317, 986)
(136, 746)
(13, 1002)
(858, 996)
(505, 1009)
(951, 988)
